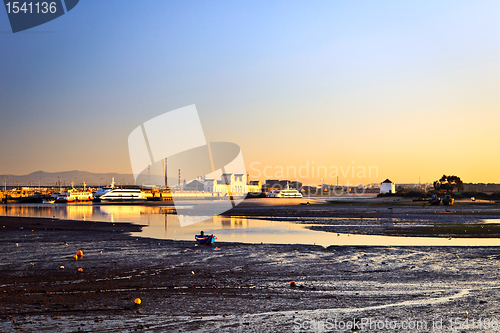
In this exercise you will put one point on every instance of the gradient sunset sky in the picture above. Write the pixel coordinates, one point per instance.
(410, 88)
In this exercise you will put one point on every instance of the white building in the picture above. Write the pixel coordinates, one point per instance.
(387, 187)
(236, 183)
(254, 186)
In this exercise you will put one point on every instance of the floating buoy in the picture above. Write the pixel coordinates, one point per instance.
(79, 253)
(17, 244)
(80, 269)
(62, 267)
(137, 301)
(75, 257)
(292, 284)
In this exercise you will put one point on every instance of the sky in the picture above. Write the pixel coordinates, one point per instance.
(406, 91)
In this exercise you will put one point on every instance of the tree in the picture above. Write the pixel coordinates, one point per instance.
(448, 184)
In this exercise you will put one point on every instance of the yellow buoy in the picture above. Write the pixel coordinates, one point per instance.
(75, 257)
(79, 253)
(137, 301)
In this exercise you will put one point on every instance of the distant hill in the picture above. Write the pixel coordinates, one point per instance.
(66, 177)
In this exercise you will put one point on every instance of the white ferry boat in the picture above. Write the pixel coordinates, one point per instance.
(105, 189)
(286, 193)
(74, 195)
(127, 195)
(289, 193)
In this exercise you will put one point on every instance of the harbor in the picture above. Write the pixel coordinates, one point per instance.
(36, 195)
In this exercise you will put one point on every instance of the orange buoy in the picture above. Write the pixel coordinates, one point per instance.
(76, 257)
(80, 269)
(79, 253)
(292, 284)
(137, 301)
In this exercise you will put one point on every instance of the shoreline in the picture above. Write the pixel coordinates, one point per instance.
(385, 219)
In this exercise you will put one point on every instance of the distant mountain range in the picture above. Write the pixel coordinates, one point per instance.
(66, 177)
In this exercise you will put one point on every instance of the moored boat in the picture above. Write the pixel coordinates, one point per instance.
(289, 192)
(123, 195)
(203, 239)
(448, 200)
(74, 195)
(104, 190)
(435, 200)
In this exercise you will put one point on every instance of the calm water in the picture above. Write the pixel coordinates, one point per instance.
(161, 223)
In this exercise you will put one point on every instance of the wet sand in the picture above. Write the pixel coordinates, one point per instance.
(380, 216)
(232, 287)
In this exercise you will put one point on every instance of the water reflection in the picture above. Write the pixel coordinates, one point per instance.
(161, 222)
(232, 222)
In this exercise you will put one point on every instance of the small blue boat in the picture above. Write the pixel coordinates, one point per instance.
(203, 239)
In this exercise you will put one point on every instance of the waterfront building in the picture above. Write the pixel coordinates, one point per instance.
(236, 183)
(254, 186)
(387, 187)
(195, 185)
